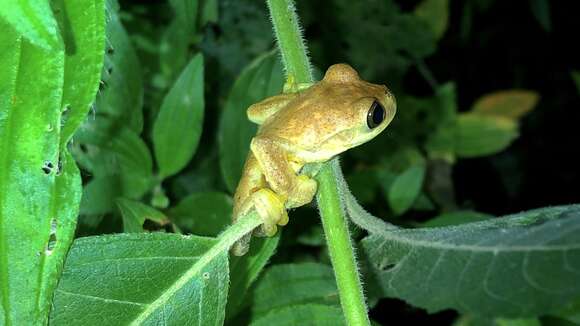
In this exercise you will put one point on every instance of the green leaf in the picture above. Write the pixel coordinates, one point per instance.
(209, 12)
(405, 188)
(177, 38)
(32, 19)
(177, 129)
(39, 183)
(82, 24)
(245, 269)
(436, 14)
(518, 322)
(307, 314)
(480, 135)
(576, 78)
(142, 278)
(455, 218)
(511, 104)
(135, 213)
(541, 11)
(120, 96)
(262, 78)
(99, 195)
(287, 285)
(121, 153)
(519, 265)
(205, 213)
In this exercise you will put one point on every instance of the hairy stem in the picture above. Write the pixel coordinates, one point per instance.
(295, 59)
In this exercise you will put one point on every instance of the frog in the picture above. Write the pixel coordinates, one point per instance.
(306, 124)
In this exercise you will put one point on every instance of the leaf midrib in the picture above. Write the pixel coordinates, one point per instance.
(3, 175)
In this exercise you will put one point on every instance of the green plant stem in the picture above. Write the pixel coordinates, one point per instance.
(340, 248)
(290, 41)
(295, 59)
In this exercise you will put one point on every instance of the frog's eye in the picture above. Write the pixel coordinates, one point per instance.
(376, 115)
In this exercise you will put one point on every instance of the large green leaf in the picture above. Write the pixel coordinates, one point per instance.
(284, 286)
(39, 183)
(178, 126)
(306, 314)
(32, 19)
(262, 78)
(519, 265)
(82, 24)
(142, 278)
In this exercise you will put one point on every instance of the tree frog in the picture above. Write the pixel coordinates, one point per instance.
(310, 125)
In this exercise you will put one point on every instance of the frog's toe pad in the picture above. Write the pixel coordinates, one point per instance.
(271, 209)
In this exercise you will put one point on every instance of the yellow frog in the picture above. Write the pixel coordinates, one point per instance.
(307, 126)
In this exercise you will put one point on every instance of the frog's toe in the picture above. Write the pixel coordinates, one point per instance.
(271, 209)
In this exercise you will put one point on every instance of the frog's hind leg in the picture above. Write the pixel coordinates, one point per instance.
(252, 193)
(297, 190)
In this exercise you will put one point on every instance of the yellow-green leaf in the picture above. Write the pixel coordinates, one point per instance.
(436, 14)
(512, 104)
(480, 135)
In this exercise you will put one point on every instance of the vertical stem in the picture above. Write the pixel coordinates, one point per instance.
(290, 42)
(295, 59)
(340, 248)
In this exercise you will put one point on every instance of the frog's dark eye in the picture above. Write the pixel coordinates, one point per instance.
(376, 115)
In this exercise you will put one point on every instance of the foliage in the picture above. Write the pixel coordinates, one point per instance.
(149, 101)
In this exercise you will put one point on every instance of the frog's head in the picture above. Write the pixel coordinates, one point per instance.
(360, 110)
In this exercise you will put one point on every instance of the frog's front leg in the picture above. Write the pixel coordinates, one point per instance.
(296, 190)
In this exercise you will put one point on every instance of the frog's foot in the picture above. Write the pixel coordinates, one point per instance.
(302, 193)
(270, 207)
(291, 86)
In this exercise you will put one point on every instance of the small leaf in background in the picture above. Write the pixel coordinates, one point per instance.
(121, 153)
(135, 213)
(142, 278)
(204, 213)
(262, 78)
(511, 104)
(541, 11)
(305, 314)
(99, 195)
(436, 14)
(120, 96)
(576, 77)
(288, 285)
(405, 189)
(209, 12)
(456, 218)
(32, 19)
(177, 129)
(479, 135)
(176, 41)
(515, 266)
(245, 270)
